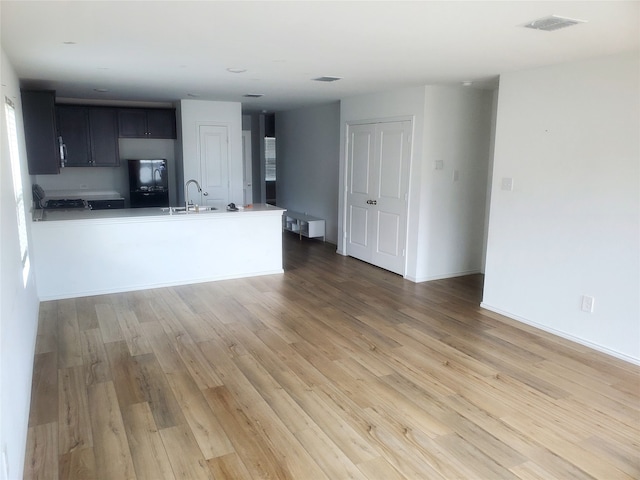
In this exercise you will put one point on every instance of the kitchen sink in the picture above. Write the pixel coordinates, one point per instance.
(183, 210)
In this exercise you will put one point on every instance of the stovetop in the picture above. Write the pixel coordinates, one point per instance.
(65, 203)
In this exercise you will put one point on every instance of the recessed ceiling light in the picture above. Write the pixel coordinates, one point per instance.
(327, 79)
(100, 90)
(253, 95)
(553, 22)
(467, 83)
(236, 70)
(68, 43)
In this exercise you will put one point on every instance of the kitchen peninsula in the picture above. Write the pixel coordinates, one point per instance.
(82, 253)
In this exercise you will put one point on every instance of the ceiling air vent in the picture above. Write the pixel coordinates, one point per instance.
(553, 22)
(253, 95)
(327, 79)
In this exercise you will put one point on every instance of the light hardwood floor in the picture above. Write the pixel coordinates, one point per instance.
(334, 370)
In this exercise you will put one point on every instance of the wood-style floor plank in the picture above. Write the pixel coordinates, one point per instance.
(74, 417)
(47, 338)
(111, 448)
(69, 346)
(44, 389)
(334, 370)
(209, 435)
(147, 449)
(228, 467)
(94, 357)
(185, 457)
(260, 461)
(78, 463)
(41, 460)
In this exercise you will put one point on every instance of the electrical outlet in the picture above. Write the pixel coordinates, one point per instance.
(83, 187)
(456, 175)
(438, 165)
(507, 184)
(587, 303)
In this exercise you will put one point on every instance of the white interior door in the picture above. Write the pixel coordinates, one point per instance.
(378, 165)
(247, 170)
(360, 188)
(214, 165)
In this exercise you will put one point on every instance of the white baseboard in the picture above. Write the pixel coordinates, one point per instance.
(133, 288)
(441, 277)
(567, 336)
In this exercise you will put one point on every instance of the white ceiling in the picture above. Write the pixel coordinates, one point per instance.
(163, 51)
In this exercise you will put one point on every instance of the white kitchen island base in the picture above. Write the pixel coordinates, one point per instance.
(112, 252)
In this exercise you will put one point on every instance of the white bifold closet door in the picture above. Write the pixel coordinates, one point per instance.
(378, 163)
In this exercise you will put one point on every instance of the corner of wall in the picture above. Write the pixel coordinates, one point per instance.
(569, 226)
(18, 303)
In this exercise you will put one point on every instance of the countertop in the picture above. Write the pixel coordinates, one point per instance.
(155, 213)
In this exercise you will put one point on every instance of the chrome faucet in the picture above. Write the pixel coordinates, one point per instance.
(186, 193)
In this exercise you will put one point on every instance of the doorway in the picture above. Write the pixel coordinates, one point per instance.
(214, 165)
(270, 169)
(247, 168)
(378, 163)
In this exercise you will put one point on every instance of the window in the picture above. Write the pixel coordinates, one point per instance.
(270, 159)
(21, 215)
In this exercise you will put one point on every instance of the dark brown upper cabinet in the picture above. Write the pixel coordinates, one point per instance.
(43, 150)
(147, 123)
(90, 135)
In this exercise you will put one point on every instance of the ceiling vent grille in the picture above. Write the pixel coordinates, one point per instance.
(552, 23)
(253, 95)
(327, 79)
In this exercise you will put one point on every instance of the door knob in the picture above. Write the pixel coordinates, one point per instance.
(206, 194)
(372, 202)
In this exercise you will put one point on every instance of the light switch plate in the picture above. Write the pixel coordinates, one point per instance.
(439, 165)
(587, 303)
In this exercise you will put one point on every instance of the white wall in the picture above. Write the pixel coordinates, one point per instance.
(457, 133)
(569, 136)
(84, 178)
(307, 165)
(194, 113)
(18, 304)
(446, 217)
(405, 103)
